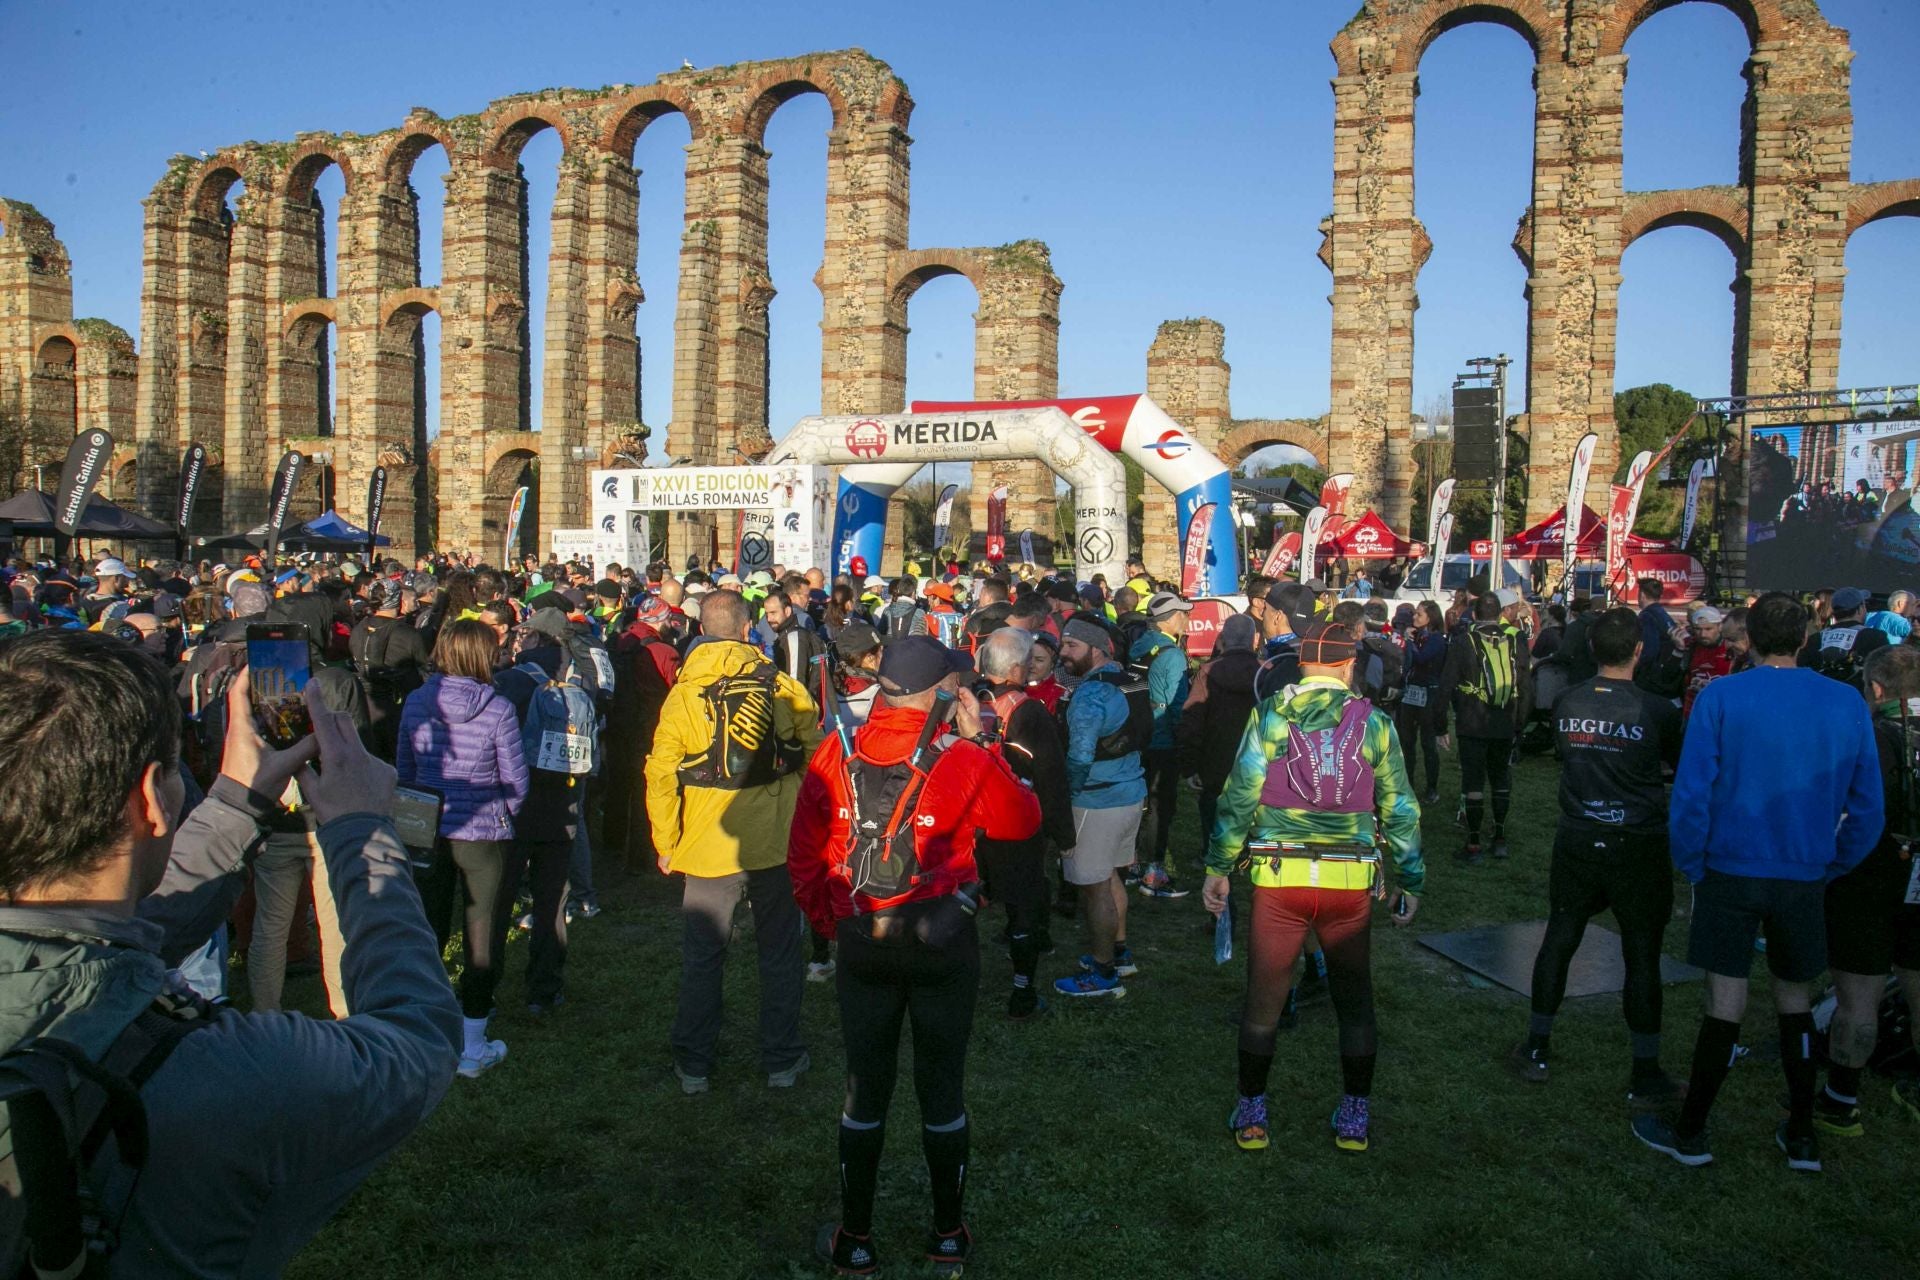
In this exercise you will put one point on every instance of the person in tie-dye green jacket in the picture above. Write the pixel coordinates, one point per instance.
(1327, 809)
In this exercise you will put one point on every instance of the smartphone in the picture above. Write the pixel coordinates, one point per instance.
(279, 663)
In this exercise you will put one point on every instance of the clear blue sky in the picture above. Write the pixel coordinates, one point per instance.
(1175, 157)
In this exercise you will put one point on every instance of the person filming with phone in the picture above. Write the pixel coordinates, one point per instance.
(257, 1126)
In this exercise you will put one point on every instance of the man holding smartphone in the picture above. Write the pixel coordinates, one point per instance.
(103, 897)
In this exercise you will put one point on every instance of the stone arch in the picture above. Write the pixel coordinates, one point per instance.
(1763, 19)
(207, 191)
(409, 144)
(630, 115)
(1247, 436)
(513, 458)
(1528, 19)
(1872, 201)
(305, 166)
(521, 121)
(1720, 211)
(124, 471)
(777, 88)
(914, 268)
(301, 321)
(414, 302)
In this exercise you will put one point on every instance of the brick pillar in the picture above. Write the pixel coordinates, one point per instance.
(1573, 283)
(1375, 247)
(861, 369)
(482, 304)
(613, 295)
(392, 415)
(157, 386)
(1188, 376)
(106, 382)
(365, 264)
(1016, 356)
(36, 292)
(201, 322)
(243, 382)
(563, 412)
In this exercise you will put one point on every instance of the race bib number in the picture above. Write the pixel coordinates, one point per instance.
(1415, 696)
(603, 669)
(565, 752)
(1840, 638)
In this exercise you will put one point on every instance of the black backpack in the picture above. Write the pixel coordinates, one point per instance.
(1137, 732)
(883, 859)
(387, 686)
(1383, 669)
(1838, 656)
(745, 750)
(61, 1108)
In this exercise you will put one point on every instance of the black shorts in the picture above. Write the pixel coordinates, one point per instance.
(1728, 912)
(1870, 927)
(1595, 869)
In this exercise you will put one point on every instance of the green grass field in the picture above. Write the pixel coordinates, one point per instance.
(1100, 1147)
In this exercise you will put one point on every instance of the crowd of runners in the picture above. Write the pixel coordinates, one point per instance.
(869, 764)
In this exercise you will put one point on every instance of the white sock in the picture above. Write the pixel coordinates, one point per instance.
(476, 1036)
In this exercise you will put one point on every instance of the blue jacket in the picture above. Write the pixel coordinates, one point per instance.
(1094, 710)
(1168, 682)
(1426, 658)
(1779, 778)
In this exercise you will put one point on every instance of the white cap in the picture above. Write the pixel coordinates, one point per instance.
(1507, 597)
(874, 582)
(110, 566)
(1706, 615)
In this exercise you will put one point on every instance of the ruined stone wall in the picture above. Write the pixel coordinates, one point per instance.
(1187, 375)
(1786, 222)
(234, 311)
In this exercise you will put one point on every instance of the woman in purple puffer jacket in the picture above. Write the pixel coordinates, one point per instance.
(460, 738)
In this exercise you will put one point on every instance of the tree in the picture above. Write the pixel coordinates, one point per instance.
(1647, 417)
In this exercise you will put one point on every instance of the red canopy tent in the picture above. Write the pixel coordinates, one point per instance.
(1367, 538)
(1546, 540)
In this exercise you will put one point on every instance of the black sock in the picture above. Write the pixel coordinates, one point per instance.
(1646, 1070)
(1712, 1059)
(859, 1174)
(822, 948)
(1843, 1082)
(1539, 1033)
(1476, 809)
(1254, 1068)
(1356, 1074)
(1796, 1060)
(1023, 948)
(946, 1151)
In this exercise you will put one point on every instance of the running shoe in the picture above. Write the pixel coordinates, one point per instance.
(949, 1253)
(585, 910)
(1470, 855)
(1803, 1153)
(1499, 847)
(1527, 1064)
(789, 1077)
(1836, 1118)
(1350, 1124)
(492, 1053)
(1906, 1092)
(1656, 1090)
(1249, 1123)
(1158, 884)
(690, 1084)
(1132, 874)
(1122, 962)
(1658, 1132)
(1019, 1010)
(846, 1255)
(819, 971)
(1089, 985)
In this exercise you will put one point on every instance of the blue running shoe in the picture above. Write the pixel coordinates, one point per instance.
(1088, 984)
(1350, 1124)
(1122, 962)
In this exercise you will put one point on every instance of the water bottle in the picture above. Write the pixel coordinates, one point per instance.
(1223, 934)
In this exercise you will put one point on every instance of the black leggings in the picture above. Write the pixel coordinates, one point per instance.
(1486, 764)
(1417, 736)
(1163, 794)
(883, 985)
(1592, 872)
(478, 868)
(544, 862)
(1015, 876)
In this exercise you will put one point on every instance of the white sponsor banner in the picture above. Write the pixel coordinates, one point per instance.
(1576, 503)
(1316, 523)
(1441, 504)
(789, 507)
(571, 544)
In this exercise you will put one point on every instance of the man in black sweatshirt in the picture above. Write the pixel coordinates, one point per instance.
(1610, 851)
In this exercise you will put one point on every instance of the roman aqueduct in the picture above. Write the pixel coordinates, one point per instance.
(233, 303)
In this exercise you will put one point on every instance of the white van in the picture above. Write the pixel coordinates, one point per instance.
(1418, 584)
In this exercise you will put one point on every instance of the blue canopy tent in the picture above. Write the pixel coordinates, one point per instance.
(329, 528)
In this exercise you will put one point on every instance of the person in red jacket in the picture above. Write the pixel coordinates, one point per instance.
(881, 852)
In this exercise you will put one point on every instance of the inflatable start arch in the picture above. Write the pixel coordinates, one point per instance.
(886, 449)
(1140, 429)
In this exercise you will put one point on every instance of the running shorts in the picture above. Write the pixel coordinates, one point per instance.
(1729, 912)
(1102, 843)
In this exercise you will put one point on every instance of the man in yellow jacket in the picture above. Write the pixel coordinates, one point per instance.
(735, 735)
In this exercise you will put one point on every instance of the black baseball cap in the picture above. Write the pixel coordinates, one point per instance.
(857, 638)
(915, 664)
